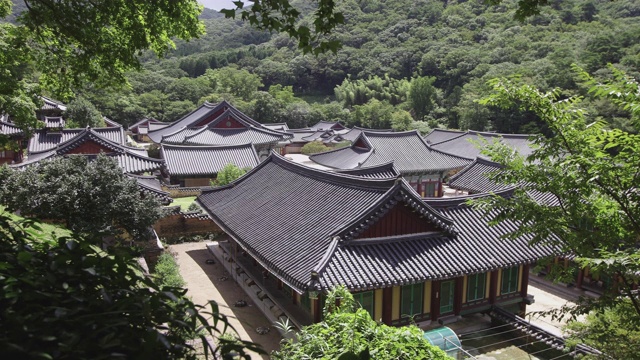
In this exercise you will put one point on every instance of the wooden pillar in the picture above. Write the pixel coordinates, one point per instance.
(524, 285)
(435, 300)
(387, 304)
(493, 286)
(580, 278)
(440, 193)
(457, 296)
(317, 311)
(525, 280)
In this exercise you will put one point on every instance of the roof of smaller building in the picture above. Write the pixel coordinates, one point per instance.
(151, 185)
(277, 126)
(54, 122)
(110, 123)
(50, 104)
(327, 125)
(207, 160)
(408, 151)
(9, 129)
(131, 160)
(44, 140)
(382, 171)
(475, 178)
(465, 146)
(439, 135)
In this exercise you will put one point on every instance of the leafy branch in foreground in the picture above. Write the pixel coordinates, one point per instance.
(348, 332)
(592, 171)
(72, 300)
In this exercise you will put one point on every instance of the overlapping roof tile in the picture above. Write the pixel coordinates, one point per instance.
(295, 239)
(150, 185)
(408, 151)
(374, 263)
(468, 145)
(207, 160)
(43, 140)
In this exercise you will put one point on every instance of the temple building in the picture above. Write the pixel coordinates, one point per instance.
(421, 165)
(220, 124)
(404, 259)
(468, 144)
(191, 166)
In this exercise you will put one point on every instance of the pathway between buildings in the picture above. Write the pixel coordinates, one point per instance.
(204, 284)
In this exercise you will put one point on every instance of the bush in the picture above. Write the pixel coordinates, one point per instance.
(314, 147)
(167, 272)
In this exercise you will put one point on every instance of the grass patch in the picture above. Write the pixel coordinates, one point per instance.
(184, 202)
(45, 229)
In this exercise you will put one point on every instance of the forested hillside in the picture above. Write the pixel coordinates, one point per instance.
(402, 62)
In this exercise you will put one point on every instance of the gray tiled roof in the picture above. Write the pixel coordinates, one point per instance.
(301, 235)
(130, 160)
(50, 104)
(43, 140)
(54, 122)
(9, 129)
(110, 123)
(439, 135)
(381, 171)
(327, 125)
(207, 160)
(408, 151)
(277, 126)
(211, 134)
(353, 134)
(374, 263)
(475, 178)
(150, 185)
(298, 135)
(465, 144)
(198, 115)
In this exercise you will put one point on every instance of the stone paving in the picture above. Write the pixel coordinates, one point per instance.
(204, 283)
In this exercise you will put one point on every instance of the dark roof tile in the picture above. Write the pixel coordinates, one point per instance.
(207, 160)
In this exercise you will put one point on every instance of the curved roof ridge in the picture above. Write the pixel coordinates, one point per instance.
(392, 238)
(391, 133)
(206, 147)
(324, 175)
(458, 201)
(172, 133)
(87, 132)
(380, 167)
(477, 160)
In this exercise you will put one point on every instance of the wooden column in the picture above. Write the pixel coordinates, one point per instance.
(524, 285)
(580, 279)
(525, 280)
(493, 286)
(457, 295)
(387, 304)
(317, 311)
(435, 300)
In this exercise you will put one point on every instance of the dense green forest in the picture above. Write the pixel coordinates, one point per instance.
(403, 64)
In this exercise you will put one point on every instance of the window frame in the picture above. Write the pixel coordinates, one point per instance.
(420, 303)
(479, 288)
(509, 279)
(359, 298)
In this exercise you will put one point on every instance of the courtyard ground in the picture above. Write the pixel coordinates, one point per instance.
(205, 282)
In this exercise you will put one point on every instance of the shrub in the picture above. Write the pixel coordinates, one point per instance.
(313, 147)
(167, 272)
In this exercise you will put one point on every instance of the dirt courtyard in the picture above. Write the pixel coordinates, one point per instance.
(204, 283)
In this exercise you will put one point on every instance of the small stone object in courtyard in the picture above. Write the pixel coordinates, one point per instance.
(210, 261)
(262, 330)
(240, 303)
(223, 278)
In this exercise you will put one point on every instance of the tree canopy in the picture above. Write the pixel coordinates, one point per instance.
(57, 46)
(591, 171)
(348, 332)
(91, 197)
(71, 300)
